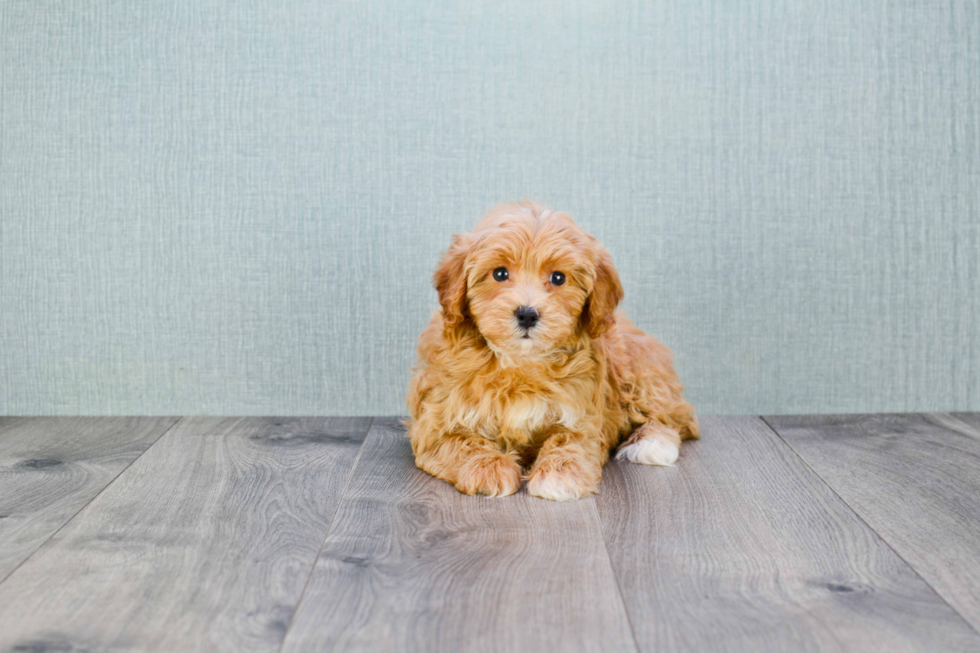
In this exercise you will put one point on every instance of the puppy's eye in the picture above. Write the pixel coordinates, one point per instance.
(557, 278)
(501, 274)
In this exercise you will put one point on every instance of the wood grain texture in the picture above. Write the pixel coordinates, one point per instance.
(915, 479)
(741, 547)
(413, 565)
(203, 544)
(50, 467)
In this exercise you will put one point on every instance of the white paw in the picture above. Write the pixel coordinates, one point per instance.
(650, 451)
(555, 487)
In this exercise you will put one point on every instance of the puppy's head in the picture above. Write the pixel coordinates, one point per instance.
(529, 279)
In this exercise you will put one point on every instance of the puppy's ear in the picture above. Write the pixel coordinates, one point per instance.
(450, 281)
(606, 295)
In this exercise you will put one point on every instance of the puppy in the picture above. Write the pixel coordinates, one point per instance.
(528, 371)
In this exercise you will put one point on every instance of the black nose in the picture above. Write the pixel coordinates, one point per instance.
(526, 316)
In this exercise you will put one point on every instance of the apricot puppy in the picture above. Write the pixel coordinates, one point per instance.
(528, 371)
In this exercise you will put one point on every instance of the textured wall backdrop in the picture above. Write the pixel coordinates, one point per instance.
(236, 206)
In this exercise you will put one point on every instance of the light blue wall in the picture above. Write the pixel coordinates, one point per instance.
(235, 207)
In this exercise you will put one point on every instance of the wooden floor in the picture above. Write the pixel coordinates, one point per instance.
(831, 533)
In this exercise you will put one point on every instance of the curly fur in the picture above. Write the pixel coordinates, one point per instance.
(492, 403)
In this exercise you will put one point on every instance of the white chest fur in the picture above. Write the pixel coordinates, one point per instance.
(525, 413)
(531, 414)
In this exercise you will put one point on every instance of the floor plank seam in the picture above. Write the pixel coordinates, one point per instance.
(89, 502)
(615, 575)
(869, 526)
(333, 520)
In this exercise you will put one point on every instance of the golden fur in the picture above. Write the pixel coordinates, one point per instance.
(492, 403)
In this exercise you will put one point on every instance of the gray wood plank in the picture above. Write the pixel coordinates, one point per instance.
(413, 565)
(741, 547)
(915, 479)
(203, 544)
(50, 467)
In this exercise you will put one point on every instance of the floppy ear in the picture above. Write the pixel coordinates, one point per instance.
(607, 292)
(450, 281)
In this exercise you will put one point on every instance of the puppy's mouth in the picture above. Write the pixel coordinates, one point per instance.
(525, 333)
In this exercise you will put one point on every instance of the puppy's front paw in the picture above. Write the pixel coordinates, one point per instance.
(650, 452)
(652, 444)
(564, 482)
(493, 475)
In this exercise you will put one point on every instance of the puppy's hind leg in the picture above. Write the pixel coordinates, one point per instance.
(653, 443)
